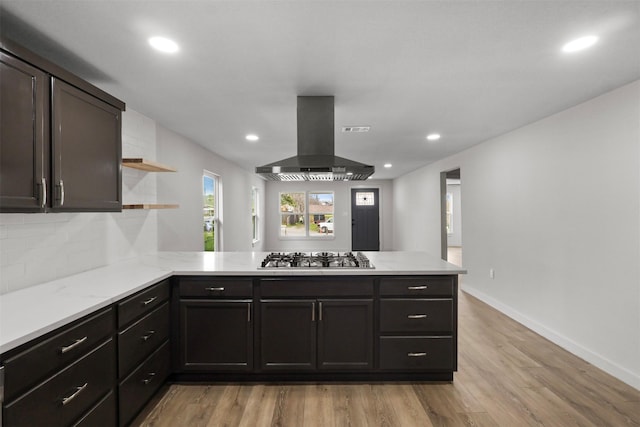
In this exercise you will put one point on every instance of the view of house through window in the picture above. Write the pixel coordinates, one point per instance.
(306, 214)
(209, 210)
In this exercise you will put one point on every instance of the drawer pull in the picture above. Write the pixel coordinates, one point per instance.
(416, 354)
(417, 288)
(149, 301)
(148, 335)
(75, 394)
(70, 347)
(417, 316)
(149, 378)
(212, 289)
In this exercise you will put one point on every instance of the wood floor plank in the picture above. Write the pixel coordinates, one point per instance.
(260, 406)
(289, 407)
(318, 406)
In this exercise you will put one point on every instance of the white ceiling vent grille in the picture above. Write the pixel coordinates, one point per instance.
(356, 128)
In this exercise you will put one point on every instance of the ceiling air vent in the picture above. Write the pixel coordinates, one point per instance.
(356, 128)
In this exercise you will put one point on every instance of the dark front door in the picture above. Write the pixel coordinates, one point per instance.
(365, 219)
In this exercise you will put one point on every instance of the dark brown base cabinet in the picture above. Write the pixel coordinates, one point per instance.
(144, 359)
(315, 328)
(306, 335)
(102, 370)
(216, 335)
(216, 324)
(65, 377)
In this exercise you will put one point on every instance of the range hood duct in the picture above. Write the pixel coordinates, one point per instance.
(316, 160)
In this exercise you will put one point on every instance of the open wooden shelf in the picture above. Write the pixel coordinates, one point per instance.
(150, 206)
(146, 165)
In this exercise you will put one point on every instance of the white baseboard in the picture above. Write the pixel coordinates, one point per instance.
(620, 372)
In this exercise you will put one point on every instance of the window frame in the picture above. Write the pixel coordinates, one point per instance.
(215, 218)
(255, 215)
(306, 215)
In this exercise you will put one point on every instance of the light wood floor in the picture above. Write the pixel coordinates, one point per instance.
(507, 376)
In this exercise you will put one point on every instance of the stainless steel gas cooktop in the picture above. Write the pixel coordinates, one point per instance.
(316, 260)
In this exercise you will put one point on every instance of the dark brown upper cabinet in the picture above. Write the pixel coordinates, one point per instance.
(24, 128)
(61, 139)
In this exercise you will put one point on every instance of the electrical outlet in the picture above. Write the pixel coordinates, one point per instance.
(492, 273)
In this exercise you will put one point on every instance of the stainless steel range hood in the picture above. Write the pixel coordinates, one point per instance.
(315, 160)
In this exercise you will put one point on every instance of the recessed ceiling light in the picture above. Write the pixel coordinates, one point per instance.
(252, 137)
(433, 136)
(387, 165)
(580, 44)
(164, 44)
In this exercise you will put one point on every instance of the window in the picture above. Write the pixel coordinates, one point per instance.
(254, 213)
(306, 214)
(365, 198)
(210, 210)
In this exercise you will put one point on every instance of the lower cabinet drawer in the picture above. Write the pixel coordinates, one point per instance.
(140, 339)
(104, 414)
(39, 362)
(416, 316)
(62, 399)
(138, 387)
(416, 353)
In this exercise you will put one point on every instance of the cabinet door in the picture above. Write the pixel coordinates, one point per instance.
(345, 329)
(86, 152)
(288, 335)
(24, 133)
(216, 335)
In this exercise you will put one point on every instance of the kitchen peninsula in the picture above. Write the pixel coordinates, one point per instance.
(218, 316)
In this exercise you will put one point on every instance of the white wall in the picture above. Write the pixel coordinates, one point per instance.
(554, 208)
(36, 248)
(341, 241)
(181, 229)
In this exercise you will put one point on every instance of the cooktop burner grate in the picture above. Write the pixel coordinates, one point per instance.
(316, 260)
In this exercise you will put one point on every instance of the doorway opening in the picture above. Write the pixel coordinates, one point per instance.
(451, 216)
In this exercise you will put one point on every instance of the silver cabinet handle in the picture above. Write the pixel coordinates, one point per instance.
(70, 347)
(43, 193)
(149, 301)
(61, 193)
(148, 335)
(417, 316)
(249, 312)
(320, 311)
(417, 288)
(220, 289)
(313, 311)
(149, 378)
(75, 394)
(416, 354)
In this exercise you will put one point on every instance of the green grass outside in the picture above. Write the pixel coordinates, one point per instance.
(209, 241)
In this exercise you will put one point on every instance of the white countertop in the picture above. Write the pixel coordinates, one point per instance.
(32, 312)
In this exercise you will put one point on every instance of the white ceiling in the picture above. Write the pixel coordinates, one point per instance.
(469, 70)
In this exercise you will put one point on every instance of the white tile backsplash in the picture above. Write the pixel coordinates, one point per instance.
(36, 248)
